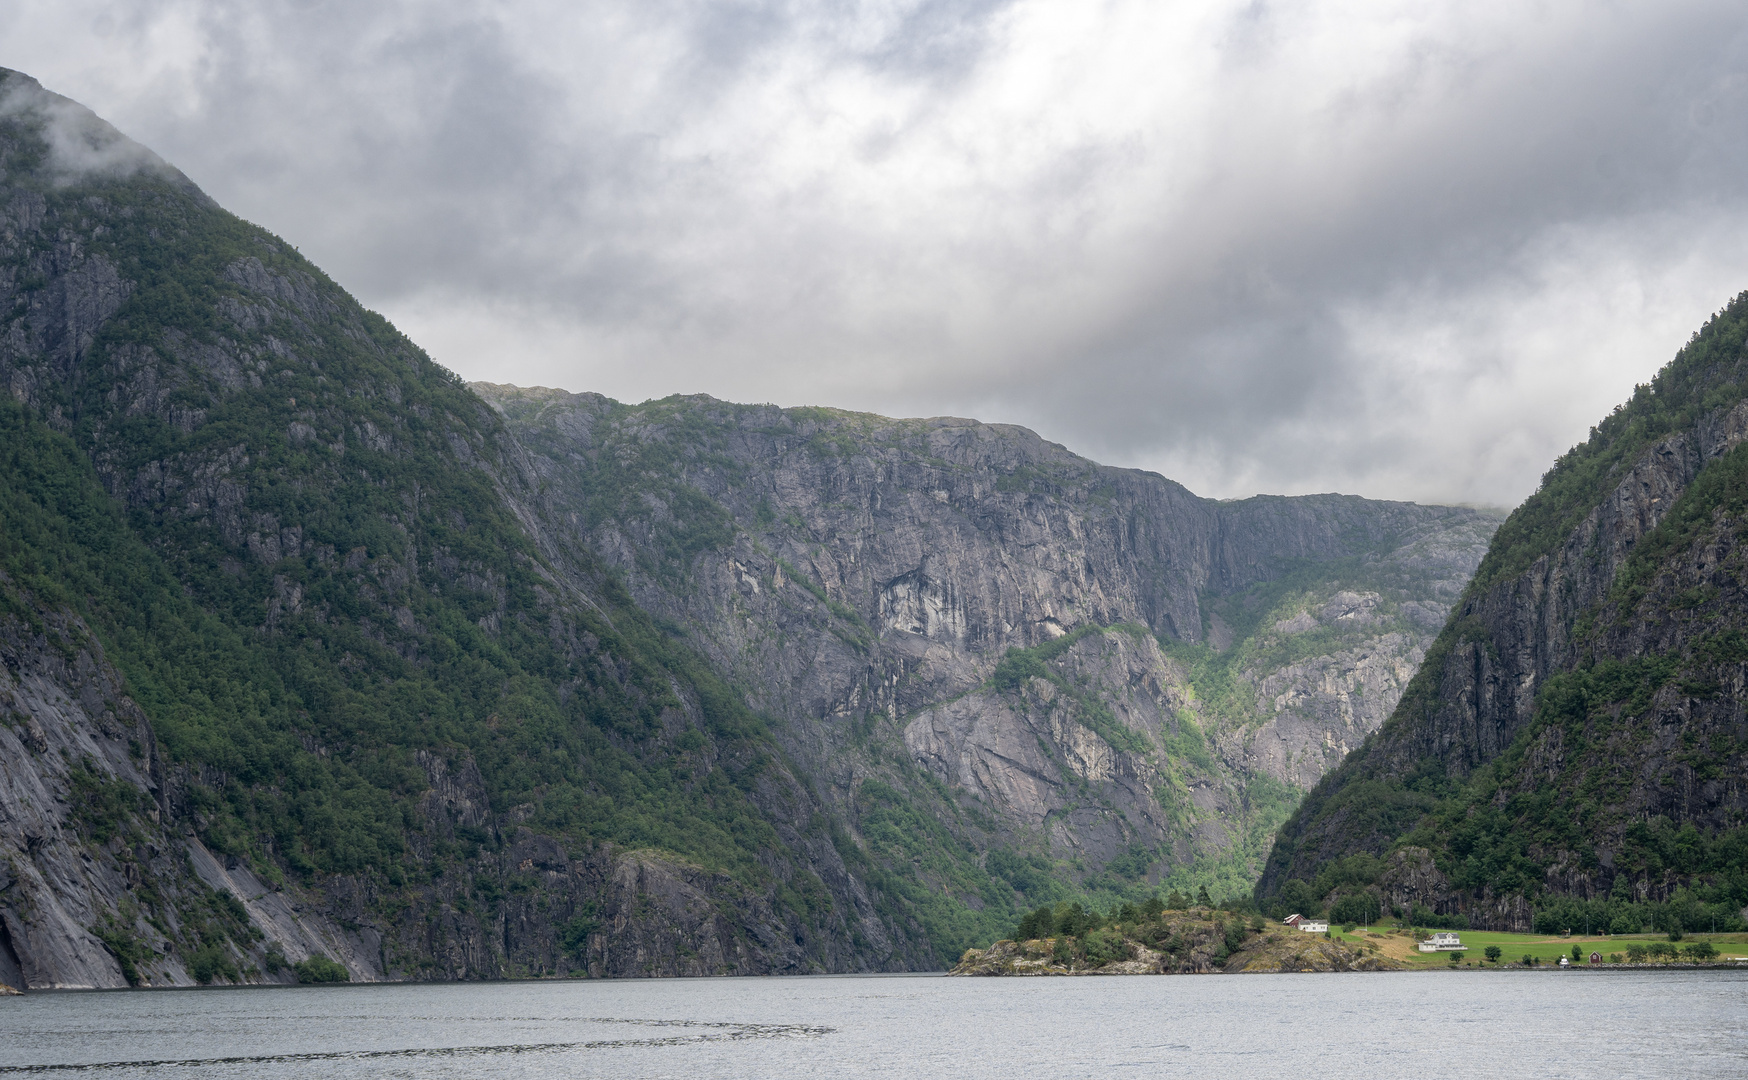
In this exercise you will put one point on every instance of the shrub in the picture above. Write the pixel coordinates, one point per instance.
(1636, 953)
(274, 960)
(574, 935)
(1577, 954)
(1614, 957)
(1235, 935)
(320, 969)
(1701, 950)
(210, 962)
(1493, 953)
(1102, 947)
(1456, 958)
(1528, 960)
(1663, 950)
(1062, 950)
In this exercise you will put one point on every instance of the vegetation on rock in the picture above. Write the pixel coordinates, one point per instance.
(1570, 750)
(1150, 939)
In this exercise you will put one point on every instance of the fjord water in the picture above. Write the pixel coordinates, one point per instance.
(1463, 1024)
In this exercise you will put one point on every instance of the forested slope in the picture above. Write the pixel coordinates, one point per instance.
(1573, 747)
(296, 539)
(316, 663)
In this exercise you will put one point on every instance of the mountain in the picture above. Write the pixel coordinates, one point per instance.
(319, 662)
(1572, 750)
(1051, 675)
(289, 675)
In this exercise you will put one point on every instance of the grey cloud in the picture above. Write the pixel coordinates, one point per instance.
(80, 144)
(1406, 250)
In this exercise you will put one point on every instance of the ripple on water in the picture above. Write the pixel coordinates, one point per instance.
(1565, 1024)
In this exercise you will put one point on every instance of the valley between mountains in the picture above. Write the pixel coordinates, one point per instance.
(317, 656)
(322, 663)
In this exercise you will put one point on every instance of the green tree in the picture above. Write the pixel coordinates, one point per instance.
(1073, 920)
(1356, 907)
(1492, 952)
(1037, 924)
(1202, 897)
(1577, 954)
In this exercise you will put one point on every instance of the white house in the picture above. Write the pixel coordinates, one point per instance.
(1310, 926)
(1441, 942)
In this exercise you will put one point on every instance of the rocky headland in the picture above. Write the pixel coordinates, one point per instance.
(1189, 942)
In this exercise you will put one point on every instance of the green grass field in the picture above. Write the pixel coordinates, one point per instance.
(1545, 948)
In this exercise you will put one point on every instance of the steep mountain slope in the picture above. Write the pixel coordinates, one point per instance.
(1573, 747)
(314, 658)
(963, 624)
(367, 682)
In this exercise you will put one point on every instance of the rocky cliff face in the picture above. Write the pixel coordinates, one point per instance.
(1588, 677)
(366, 669)
(369, 712)
(104, 881)
(862, 577)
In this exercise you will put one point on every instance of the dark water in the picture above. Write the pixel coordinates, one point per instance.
(1327, 1027)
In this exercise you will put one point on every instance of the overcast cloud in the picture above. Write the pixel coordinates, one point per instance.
(1408, 250)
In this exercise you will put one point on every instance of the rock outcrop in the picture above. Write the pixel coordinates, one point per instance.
(102, 881)
(1176, 943)
(1581, 715)
(862, 577)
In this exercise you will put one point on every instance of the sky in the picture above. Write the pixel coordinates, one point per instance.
(1401, 249)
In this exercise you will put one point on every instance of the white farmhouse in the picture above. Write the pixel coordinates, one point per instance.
(1310, 926)
(1441, 942)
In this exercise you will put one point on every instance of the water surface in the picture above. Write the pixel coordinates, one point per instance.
(1435, 1024)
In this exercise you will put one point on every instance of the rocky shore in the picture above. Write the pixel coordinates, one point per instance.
(1194, 942)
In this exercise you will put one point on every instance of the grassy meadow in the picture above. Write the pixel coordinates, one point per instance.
(1401, 945)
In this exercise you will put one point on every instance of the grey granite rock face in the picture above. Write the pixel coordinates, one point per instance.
(1562, 612)
(269, 321)
(1030, 755)
(861, 577)
(97, 857)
